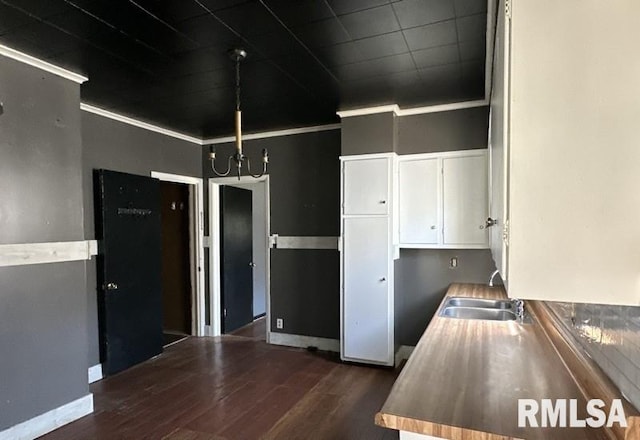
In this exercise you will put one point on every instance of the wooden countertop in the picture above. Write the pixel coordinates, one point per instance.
(465, 377)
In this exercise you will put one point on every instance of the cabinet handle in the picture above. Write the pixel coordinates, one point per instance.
(382, 202)
(383, 279)
(433, 226)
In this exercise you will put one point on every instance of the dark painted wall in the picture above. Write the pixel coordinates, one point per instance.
(304, 173)
(465, 129)
(116, 146)
(43, 308)
(369, 134)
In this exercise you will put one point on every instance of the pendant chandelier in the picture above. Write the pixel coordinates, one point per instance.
(238, 158)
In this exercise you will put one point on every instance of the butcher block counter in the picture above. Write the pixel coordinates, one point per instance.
(465, 376)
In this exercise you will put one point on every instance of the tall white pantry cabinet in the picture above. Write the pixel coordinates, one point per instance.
(367, 249)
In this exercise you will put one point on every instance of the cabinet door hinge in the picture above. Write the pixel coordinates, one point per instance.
(505, 232)
(507, 9)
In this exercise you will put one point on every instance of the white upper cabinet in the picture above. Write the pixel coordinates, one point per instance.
(465, 200)
(443, 200)
(366, 187)
(568, 89)
(419, 191)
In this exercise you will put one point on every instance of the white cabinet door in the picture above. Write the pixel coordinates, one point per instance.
(366, 186)
(419, 190)
(465, 200)
(367, 320)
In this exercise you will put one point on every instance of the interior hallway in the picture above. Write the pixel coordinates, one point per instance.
(237, 388)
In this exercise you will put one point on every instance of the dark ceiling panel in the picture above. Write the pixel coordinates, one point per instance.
(347, 6)
(382, 45)
(437, 56)
(370, 22)
(412, 13)
(166, 61)
(432, 35)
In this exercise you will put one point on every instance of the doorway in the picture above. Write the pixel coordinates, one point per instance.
(260, 253)
(182, 256)
(175, 212)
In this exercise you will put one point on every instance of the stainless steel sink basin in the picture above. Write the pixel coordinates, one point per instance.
(478, 313)
(501, 304)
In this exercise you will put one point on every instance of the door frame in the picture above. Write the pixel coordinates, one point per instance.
(214, 249)
(197, 235)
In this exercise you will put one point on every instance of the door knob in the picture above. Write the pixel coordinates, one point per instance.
(383, 279)
(433, 226)
(491, 222)
(382, 202)
(112, 286)
(252, 264)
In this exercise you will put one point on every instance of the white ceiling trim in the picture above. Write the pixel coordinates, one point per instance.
(412, 111)
(140, 124)
(275, 133)
(42, 65)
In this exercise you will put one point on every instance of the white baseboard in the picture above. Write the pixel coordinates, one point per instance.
(95, 373)
(324, 344)
(403, 353)
(47, 422)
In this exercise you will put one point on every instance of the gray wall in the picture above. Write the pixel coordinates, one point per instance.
(304, 173)
(43, 308)
(422, 276)
(116, 146)
(369, 134)
(465, 129)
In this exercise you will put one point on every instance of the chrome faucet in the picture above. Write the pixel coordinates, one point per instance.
(493, 275)
(518, 306)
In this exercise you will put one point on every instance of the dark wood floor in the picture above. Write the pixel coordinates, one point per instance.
(237, 388)
(256, 330)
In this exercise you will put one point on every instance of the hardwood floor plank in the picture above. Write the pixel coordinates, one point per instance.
(236, 388)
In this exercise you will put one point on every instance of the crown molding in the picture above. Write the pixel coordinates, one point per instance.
(412, 111)
(140, 124)
(42, 65)
(369, 111)
(274, 133)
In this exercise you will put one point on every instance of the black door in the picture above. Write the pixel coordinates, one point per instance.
(237, 255)
(129, 266)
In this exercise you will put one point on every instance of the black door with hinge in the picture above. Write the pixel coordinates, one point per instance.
(236, 257)
(129, 268)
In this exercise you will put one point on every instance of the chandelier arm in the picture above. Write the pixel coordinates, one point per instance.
(226, 173)
(256, 176)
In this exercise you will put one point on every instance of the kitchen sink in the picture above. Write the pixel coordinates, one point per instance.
(501, 304)
(490, 314)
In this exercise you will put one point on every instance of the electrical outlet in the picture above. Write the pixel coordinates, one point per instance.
(280, 323)
(453, 263)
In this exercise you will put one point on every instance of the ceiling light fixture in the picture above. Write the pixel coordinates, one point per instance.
(238, 157)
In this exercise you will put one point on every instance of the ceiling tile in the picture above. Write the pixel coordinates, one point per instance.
(412, 13)
(436, 56)
(370, 22)
(338, 54)
(341, 7)
(300, 11)
(382, 45)
(39, 8)
(470, 7)
(439, 73)
(432, 35)
(249, 19)
(322, 33)
(377, 67)
(170, 11)
(11, 18)
(472, 50)
(472, 27)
